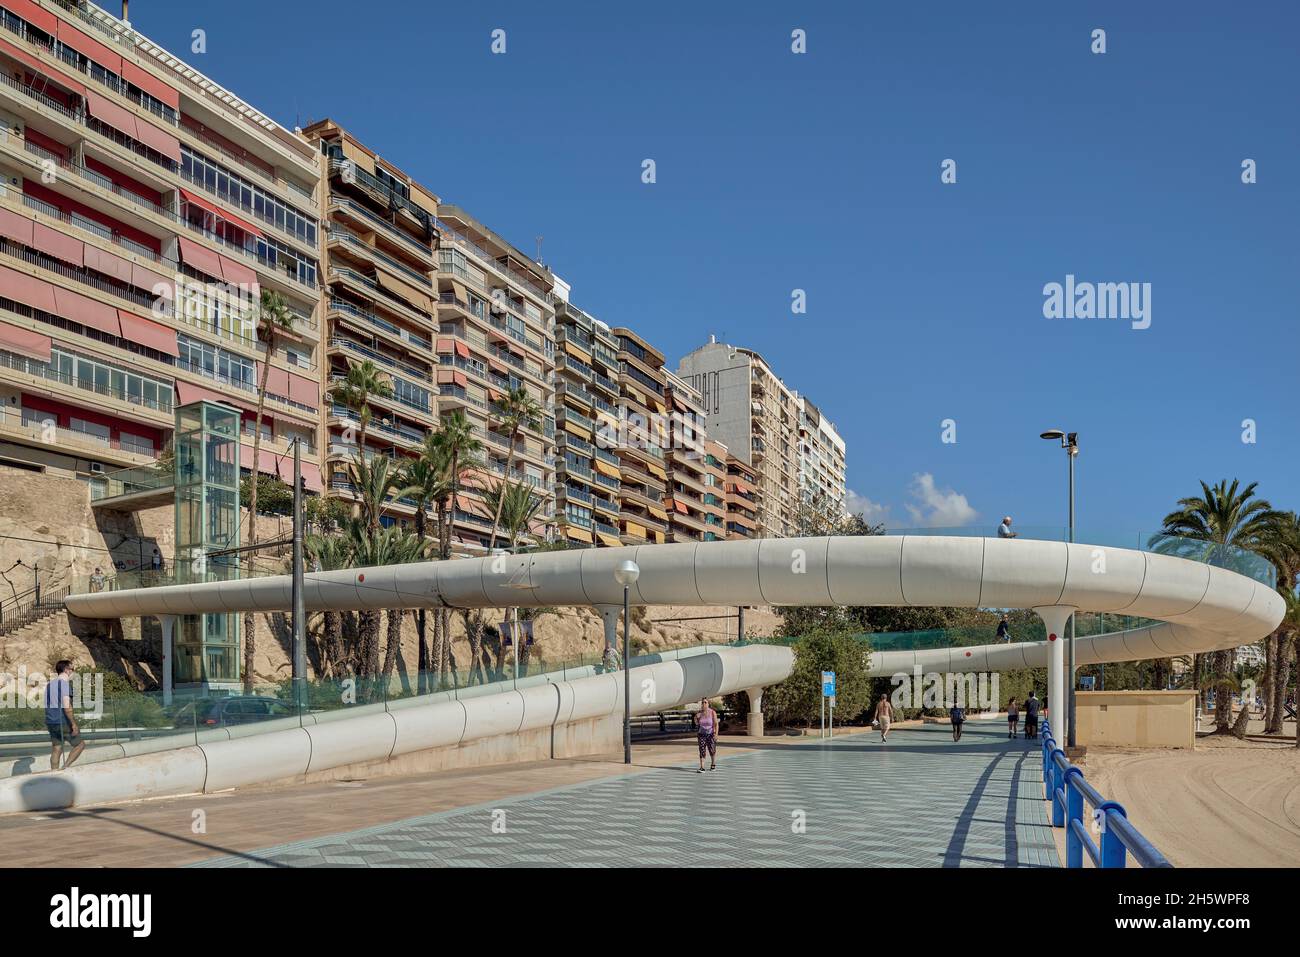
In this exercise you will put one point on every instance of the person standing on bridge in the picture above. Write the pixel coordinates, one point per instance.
(1004, 630)
(1031, 715)
(1004, 530)
(884, 715)
(958, 717)
(708, 735)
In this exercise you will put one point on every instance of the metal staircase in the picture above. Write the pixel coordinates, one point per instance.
(30, 607)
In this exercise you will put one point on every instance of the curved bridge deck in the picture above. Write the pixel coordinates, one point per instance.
(918, 801)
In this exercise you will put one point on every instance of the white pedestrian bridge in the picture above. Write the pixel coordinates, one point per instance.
(1196, 596)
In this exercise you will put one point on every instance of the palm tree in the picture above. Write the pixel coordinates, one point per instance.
(426, 480)
(332, 552)
(375, 482)
(456, 442)
(517, 506)
(1281, 546)
(272, 320)
(516, 410)
(364, 379)
(1228, 517)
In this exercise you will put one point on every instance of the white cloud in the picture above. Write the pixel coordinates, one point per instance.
(871, 512)
(938, 507)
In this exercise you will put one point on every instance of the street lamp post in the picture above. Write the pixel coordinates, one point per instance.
(1069, 442)
(626, 575)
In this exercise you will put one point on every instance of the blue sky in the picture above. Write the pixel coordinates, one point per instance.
(821, 172)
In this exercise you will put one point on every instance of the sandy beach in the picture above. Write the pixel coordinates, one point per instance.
(1228, 803)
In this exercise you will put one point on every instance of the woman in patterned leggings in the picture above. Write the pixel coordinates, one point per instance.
(708, 735)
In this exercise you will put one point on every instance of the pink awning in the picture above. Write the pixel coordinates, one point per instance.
(150, 84)
(24, 342)
(158, 140)
(200, 257)
(237, 274)
(26, 289)
(59, 245)
(88, 312)
(187, 392)
(16, 227)
(277, 380)
(107, 263)
(303, 390)
(34, 15)
(148, 333)
(143, 278)
(311, 477)
(112, 114)
(40, 69)
(71, 36)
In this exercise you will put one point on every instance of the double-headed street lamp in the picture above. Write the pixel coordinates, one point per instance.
(626, 575)
(1070, 442)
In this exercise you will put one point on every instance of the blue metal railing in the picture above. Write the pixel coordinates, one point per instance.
(1064, 786)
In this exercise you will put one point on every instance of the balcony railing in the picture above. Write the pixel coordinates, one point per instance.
(423, 375)
(41, 370)
(342, 305)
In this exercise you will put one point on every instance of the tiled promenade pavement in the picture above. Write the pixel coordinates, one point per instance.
(918, 801)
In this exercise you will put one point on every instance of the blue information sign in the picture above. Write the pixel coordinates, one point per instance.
(828, 684)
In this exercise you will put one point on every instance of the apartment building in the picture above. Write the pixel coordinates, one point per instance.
(740, 500)
(821, 458)
(496, 332)
(751, 411)
(643, 410)
(588, 486)
(143, 208)
(715, 490)
(379, 250)
(691, 477)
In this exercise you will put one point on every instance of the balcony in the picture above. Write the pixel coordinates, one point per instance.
(378, 425)
(411, 338)
(421, 375)
(389, 230)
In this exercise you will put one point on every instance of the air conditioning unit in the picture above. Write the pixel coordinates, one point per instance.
(97, 468)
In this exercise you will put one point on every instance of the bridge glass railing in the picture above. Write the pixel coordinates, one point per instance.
(1240, 560)
(117, 722)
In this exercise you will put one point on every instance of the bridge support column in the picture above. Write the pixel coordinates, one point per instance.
(1055, 618)
(610, 615)
(755, 727)
(168, 623)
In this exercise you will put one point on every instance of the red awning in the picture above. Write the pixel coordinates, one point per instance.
(156, 283)
(462, 349)
(239, 275)
(59, 245)
(88, 312)
(34, 15)
(277, 380)
(446, 345)
(71, 36)
(115, 266)
(150, 84)
(26, 289)
(446, 375)
(148, 333)
(268, 462)
(158, 140)
(200, 257)
(311, 477)
(24, 342)
(460, 379)
(112, 114)
(16, 227)
(217, 211)
(680, 508)
(187, 392)
(303, 390)
(36, 66)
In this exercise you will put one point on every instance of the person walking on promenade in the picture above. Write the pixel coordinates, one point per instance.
(1004, 530)
(958, 717)
(1032, 704)
(1013, 718)
(60, 722)
(708, 735)
(884, 716)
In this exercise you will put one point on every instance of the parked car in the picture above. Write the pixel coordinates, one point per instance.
(231, 711)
